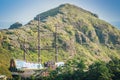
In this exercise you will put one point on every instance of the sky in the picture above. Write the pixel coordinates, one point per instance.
(25, 10)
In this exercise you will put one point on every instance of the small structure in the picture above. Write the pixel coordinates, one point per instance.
(27, 65)
(50, 64)
(16, 65)
(58, 64)
(23, 69)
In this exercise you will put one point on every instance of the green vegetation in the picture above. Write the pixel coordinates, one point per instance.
(76, 69)
(81, 34)
(4, 62)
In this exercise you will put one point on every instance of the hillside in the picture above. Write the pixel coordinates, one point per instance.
(81, 35)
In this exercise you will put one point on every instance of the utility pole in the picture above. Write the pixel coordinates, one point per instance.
(39, 59)
(56, 47)
(24, 48)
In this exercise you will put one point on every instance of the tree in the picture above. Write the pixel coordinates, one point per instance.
(72, 70)
(114, 67)
(79, 73)
(98, 71)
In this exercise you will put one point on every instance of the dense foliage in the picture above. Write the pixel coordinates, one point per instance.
(77, 70)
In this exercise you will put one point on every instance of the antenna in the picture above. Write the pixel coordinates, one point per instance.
(39, 60)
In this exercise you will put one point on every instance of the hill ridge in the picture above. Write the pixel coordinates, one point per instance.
(57, 10)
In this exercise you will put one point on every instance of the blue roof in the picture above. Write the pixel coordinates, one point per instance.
(20, 64)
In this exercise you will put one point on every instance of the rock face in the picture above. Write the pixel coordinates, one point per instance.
(15, 25)
(80, 34)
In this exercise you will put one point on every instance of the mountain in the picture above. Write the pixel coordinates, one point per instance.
(15, 25)
(80, 34)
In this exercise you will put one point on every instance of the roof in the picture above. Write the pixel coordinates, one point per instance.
(59, 64)
(20, 64)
